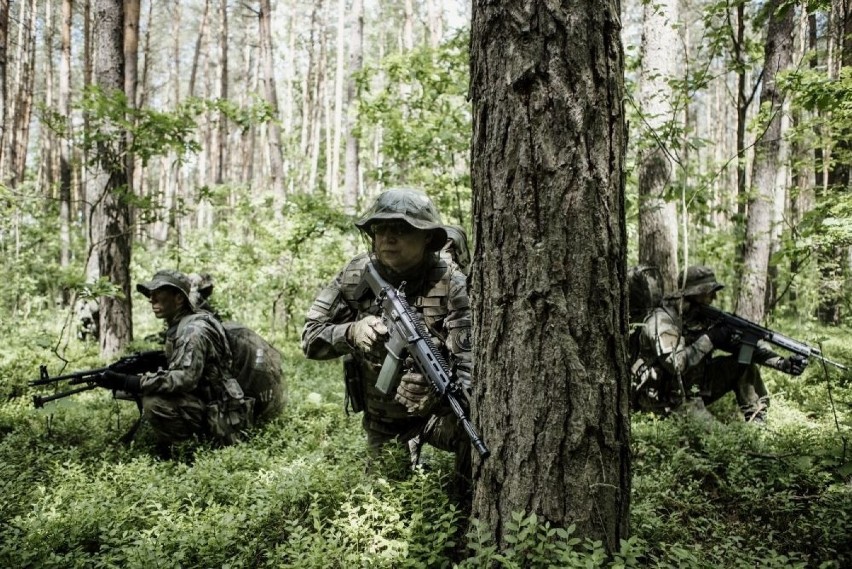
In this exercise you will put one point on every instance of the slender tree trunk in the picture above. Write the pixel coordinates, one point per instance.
(199, 44)
(222, 122)
(778, 56)
(435, 22)
(658, 216)
(110, 182)
(353, 145)
(21, 110)
(276, 154)
(340, 54)
(548, 290)
(65, 173)
(832, 263)
(144, 87)
(4, 88)
(131, 77)
(48, 165)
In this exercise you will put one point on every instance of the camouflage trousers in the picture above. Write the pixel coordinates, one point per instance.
(175, 417)
(443, 432)
(724, 374)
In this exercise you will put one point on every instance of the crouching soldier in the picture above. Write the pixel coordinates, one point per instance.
(196, 395)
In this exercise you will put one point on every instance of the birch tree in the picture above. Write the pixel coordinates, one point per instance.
(548, 288)
(659, 53)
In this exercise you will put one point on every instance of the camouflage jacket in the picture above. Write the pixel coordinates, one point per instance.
(679, 346)
(440, 296)
(199, 358)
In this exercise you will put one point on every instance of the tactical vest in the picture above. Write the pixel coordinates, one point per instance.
(431, 301)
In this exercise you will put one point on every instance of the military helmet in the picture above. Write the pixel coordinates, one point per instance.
(168, 278)
(699, 279)
(410, 205)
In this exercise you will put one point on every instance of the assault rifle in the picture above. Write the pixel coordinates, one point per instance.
(136, 363)
(408, 333)
(749, 334)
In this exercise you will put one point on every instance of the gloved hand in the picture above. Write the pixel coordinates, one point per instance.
(794, 365)
(721, 336)
(366, 334)
(119, 381)
(416, 394)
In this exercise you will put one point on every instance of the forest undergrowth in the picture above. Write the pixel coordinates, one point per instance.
(718, 494)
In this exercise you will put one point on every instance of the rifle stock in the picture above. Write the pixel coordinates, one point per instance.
(752, 333)
(408, 334)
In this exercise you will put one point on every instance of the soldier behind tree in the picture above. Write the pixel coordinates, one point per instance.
(404, 229)
(677, 362)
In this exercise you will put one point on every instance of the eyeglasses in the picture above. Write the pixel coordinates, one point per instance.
(392, 228)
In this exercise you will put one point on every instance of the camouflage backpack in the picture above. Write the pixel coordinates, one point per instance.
(257, 368)
(645, 293)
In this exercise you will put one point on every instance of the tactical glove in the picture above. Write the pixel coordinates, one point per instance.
(366, 334)
(794, 365)
(721, 336)
(119, 381)
(416, 394)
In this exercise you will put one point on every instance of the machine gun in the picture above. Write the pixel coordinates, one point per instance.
(136, 363)
(408, 333)
(750, 334)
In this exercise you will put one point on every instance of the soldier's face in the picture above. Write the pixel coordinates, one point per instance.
(166, 302)
(707, 298)
(398, 245)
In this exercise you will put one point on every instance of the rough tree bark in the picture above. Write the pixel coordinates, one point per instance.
(112, 214)
(778, 56)
(548, 288)
(660, 55)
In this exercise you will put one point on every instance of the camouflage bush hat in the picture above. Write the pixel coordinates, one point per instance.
(202, 283)
(700, 279)
(410, 205)
(169, 278)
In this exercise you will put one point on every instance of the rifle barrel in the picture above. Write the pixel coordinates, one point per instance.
(40, 400)
(80, 376)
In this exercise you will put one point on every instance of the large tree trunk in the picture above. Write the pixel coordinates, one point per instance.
(660, 54)
(112, 215)
(778, 55)
(337, 120)
(548, 289)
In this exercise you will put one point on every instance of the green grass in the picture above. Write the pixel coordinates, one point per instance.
(298, 493)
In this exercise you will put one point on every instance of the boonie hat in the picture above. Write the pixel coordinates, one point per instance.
(168, 278)
(700, 279)
(410, 205)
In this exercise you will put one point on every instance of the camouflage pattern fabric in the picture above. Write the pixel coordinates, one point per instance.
(675, 350)
(175, 400)
(438, 292)
(257, 368)
(409, 205)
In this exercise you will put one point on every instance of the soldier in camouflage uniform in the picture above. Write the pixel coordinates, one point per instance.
(406, 234)
(676, 355)
(196, 395)
(456, 249)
